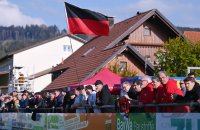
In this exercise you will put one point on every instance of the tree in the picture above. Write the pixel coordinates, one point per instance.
(176, 56)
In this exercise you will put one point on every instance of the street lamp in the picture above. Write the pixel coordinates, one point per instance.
(145, 67)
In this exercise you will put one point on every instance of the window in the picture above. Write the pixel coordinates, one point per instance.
(67, 48)
(147, 31)
(123, 66)
(4, 79)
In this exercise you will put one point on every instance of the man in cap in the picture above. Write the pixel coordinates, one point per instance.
(80, 99)
(71, 96)
(104, 97)
(58, 100)
(91, 99)
(64, 93)
(39, 102)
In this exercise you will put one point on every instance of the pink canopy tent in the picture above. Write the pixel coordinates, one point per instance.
(107, 77)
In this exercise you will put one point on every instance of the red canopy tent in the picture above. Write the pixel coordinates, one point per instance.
(107, 77)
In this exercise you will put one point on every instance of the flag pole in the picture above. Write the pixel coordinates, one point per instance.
(71, 45)
(68, 29)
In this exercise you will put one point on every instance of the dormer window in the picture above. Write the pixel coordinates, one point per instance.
(147, 31)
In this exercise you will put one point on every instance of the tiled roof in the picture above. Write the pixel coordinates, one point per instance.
(193, 36)
(81, 66)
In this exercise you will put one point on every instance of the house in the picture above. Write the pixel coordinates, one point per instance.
(29, 67)
(131, 44)
(193, 36)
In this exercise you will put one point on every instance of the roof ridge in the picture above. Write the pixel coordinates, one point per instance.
(140, 13)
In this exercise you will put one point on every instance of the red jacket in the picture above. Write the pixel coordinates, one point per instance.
(169, 89)
(147, 96)
(158, 94)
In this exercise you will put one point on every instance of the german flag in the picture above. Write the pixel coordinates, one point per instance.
(84, 21)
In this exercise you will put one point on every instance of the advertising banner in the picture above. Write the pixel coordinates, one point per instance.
(73, 121)
(136, 121)
(101, 121)
(178, 121)
(5, 123)
(21, 121)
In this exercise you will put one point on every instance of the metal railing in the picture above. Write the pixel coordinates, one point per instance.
(61, 110)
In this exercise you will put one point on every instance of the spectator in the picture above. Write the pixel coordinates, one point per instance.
(104, 97)
(158, 91)
(39, 102)
(192, 74)
(65, 99)
(72, 97)
(147, 94)
(31, 100)
(15, 103)
(51, 102)
(26, 92)
(131, 93)
(80, 100)
(14, 93)
(137, 87)
(91, 100)
(58, 101)
(192, 94)
(182, 86)
(170, 88)
(23, 103)
(7, 107)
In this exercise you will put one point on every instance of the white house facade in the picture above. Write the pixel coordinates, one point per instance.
(34, 63)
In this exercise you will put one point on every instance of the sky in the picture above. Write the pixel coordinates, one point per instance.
(184, 13)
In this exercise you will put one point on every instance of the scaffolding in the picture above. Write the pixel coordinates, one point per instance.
(18, 81)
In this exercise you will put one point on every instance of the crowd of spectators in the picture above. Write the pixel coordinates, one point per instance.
(87, 99)
(59, 101)
(163, 90)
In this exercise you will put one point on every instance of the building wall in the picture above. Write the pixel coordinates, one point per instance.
(148, 44)
(157, 36)
(43, 57)
(148, 50)
(132, 63)
(41, 81)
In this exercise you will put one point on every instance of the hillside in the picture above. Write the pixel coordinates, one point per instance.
(182, 29)
(14, 38)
